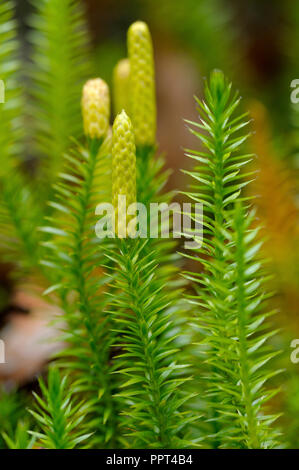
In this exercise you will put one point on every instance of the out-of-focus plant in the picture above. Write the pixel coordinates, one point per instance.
(18, 231)
(276, 207)
(12, 415)
(121, 82)
(291, 49)
(60, 65)
(21, 438)
(276, 187)
(197, 24)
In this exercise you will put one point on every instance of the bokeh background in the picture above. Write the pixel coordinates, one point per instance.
(256, 43)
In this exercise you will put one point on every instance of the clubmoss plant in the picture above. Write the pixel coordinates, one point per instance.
(152, 398)
(75, 256)
(121, 83)
(229, 293)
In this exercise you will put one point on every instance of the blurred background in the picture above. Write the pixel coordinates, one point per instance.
(256, 43)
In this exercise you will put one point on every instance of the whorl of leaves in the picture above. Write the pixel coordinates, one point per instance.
(58, 414)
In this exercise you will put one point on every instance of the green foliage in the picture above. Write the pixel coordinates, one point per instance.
(58, 414)
(10, 110)
(207, 24)
(60, 66)
(291, 406)
(74, 257)
(229, 291)
(21, 438)
(20, 215)
(152, 398)
(11, 412)
(19, 212)
(128, 380)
